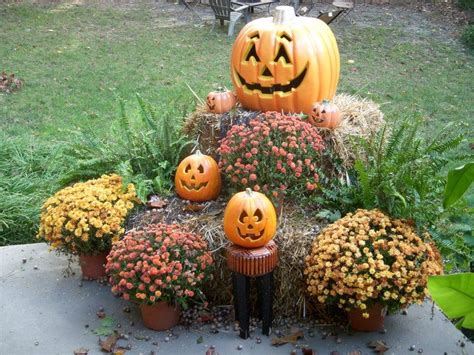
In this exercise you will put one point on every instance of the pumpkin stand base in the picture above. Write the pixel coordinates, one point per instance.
(159, 316)
(375, 321)
(244, 264)
(93, 266)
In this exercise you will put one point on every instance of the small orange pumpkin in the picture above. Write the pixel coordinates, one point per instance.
(220, 101)
(250, 219)
(325, 114)
(198, 178)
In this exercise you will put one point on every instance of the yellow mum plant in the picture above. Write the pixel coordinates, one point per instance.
(87, 217)
(366, 258)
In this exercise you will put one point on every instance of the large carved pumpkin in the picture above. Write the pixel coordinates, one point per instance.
(284, 63)
(198, 178)
(250, 219)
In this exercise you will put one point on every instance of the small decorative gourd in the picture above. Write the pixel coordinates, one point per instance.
(325, 114)
(220, 101)
(284, 63)
(250, 219)
(198, 178)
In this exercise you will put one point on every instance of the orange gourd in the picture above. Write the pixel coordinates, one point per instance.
(325, 114)
(250, 219)
(220, 101)
(198, 178)
(284, 63)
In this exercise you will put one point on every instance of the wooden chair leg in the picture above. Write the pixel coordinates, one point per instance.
(265, 295)
(241, 298)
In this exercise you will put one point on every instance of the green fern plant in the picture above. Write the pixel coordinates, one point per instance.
(402, 174)
(144, 149)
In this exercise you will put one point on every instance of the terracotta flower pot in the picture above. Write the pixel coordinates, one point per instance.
(159, 316)
(93, 266)
(375, 321)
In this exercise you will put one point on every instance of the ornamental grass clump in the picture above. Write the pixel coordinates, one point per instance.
(277, 154)
(367, 258)
(88, 217)
(160, 262)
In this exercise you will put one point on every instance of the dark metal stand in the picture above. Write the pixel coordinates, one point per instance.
(246, 264)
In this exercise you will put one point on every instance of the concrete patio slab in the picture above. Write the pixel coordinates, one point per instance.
(44, 312)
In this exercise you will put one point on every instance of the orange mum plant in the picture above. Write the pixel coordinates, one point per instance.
(160, 262)
(87, 217)
(367, 258)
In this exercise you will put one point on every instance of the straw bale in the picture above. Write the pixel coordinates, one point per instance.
(361, 118)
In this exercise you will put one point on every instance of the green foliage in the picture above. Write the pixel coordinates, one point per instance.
(467, 36)
(402, 175)
(28, 174)
(143, 148)
(466, 4)
(459, 180)
(454, 294)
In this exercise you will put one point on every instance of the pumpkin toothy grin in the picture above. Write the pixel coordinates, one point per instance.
(293, 84)
(252, 236)
(194, 187)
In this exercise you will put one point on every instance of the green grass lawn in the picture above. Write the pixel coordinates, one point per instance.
(76, 61)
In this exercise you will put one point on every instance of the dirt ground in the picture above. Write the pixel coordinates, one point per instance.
(441, 20)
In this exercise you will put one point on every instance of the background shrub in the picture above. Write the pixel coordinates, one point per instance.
(29, 173)
(468, 36)
(144, 147)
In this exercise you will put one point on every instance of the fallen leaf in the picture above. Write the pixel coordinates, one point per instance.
(108, 344)
(81, 351)
(193, 207)
(308, 351)
(120, 351)
(350, 61)
(379, 346)
(156, 202)
(101, 314)
(292, 338)
(199, 340)
(355, 352)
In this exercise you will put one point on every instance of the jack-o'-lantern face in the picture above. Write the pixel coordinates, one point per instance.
(284, 63)
(198, 178)
(324, 114)
(250, 219)
(220, 101)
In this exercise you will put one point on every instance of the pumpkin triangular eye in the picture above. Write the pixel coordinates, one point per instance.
(187, 168)
(258, 214)
(242, 216)
(282, 54)
(201, 169)
(252, 53)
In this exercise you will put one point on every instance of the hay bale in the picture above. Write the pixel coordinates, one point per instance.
(296, 232)
(361, 118)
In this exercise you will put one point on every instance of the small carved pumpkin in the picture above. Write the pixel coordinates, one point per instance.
(220, 101)
(325, 114)
(284, 63)
(198, 178)
(250, 219)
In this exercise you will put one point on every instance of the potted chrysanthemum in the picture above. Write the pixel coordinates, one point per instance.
(367, 263)
(160, 267)
(85, 219)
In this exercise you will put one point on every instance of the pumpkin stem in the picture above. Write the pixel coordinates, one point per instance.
(198, 152)
(284, 15)
(248, 191)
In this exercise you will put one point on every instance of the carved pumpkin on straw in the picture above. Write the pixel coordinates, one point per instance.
(250, 219)
(220, 101)
(284, 63)
(325, 114)
(198, 178)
